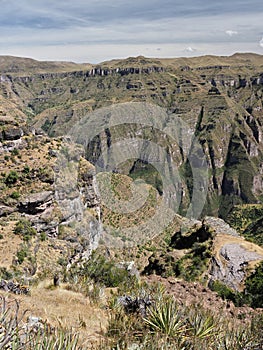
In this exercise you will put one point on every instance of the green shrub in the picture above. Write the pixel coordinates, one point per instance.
(15, 195)
(222, 290)
(43, 236)
(254, 287)
(104, 272)
(24, 228)
(26, 170)
(5, 274)
(227, 293)
(21, 255)
(11, 178)
(15, 152)
(165, 317)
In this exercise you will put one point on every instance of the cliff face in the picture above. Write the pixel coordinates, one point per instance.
(219, 98)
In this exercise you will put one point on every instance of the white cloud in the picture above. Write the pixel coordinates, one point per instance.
(190, 49)
(231, 32)
(67, 30)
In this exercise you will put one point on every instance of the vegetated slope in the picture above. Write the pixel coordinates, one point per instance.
(219, 97)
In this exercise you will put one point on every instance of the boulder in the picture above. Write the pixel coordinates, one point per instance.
(231, 264)
(135, 305)
(12, 134)
(5, 210)
(36, 203)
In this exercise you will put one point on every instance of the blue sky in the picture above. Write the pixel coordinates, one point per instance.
(94, 31)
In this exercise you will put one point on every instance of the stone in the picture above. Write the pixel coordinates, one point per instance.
(132, 305)
(5, 210)
(230, 267)
(12, 134)
(36, 202)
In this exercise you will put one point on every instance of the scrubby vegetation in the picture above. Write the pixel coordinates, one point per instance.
(168, 325)
(254, 287)
(252, 294)
(17, 334)
(102, 271)
(25, 229)
(247, 219)
(165, 325)
(11, 178)
(226, 118)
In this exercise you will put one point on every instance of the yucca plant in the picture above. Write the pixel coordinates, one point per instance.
(165, 317)
(202, 324)
(239, 338)
(10, 324)
(59, 340)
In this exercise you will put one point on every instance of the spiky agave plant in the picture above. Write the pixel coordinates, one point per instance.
(239, 338)
(10, 324)
(202, 324)
(165, 317)
(59, 340)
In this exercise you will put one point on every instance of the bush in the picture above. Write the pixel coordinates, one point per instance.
(43, 236)
(165, 318)
(24, 228)
(104, 272)
(227, 293)
(5, 274)
(15, 152)
(11, 178)
(15, 195)
(254, 288)
(21, 255)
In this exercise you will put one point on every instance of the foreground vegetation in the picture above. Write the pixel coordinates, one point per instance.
(162, 323)
(16, 334)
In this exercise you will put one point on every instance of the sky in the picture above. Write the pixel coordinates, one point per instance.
(98, 30)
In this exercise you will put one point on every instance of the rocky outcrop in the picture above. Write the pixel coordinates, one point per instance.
(87, 184)
(135, 305)
(77, 196)
(219, 226)
(36, 203)
(10, 134)
(212, 67)
(6, 210)
(96, 71)
(16, 288)
(9, 146)
(231, 264)
(39, 208)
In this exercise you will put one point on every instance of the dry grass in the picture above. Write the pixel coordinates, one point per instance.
(66, 309)
(8, 245)
(35, 156)
(221, 240)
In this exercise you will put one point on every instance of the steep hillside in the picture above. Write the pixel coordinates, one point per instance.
(220, 98)
(114, 183)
